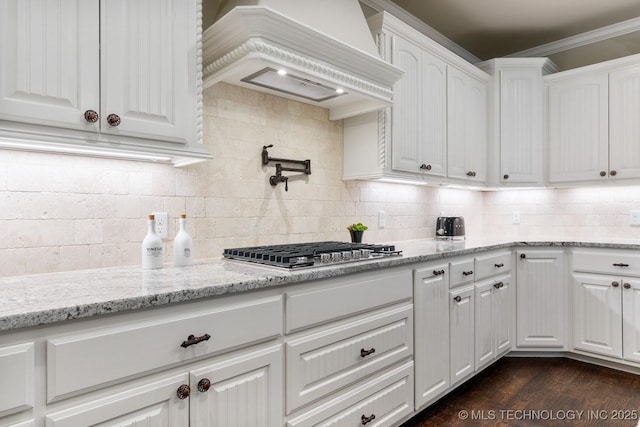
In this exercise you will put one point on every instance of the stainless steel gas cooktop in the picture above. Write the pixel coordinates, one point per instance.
(314, 254)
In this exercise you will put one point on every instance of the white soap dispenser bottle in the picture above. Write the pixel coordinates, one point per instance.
(183, 245)
(152, 250)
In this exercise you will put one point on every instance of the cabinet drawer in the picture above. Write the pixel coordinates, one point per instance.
(340, 297)
(607, 262)
(492, 264)
(461, 272)
(322, 362)
(99, 356)
(388, 397)
(17, 372)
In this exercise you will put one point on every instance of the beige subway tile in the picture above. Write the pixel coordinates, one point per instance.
(13, 262)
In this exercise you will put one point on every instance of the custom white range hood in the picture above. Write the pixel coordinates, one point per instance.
(318, 52)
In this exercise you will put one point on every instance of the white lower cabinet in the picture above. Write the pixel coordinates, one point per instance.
(462, 333)
(17, 366)
(542, 299)
(431, 300)
(631, 320)
(493, 319)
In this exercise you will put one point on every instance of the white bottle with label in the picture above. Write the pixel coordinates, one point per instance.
(183, 245)
(152, 250)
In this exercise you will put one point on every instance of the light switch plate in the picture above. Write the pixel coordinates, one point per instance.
(634, 217)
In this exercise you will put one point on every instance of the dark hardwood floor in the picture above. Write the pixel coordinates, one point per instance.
(542, 392)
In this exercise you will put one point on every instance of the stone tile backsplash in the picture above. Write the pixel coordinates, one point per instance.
(62, 213)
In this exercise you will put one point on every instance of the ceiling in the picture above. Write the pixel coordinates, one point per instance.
(494, 28)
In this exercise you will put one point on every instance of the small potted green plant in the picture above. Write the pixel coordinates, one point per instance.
(356, 231)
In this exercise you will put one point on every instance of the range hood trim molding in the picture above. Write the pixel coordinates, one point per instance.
(260, 34)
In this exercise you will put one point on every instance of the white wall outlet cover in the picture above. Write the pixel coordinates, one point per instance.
(382, 219)
(515, 217)
(634, 217)
(162, 224)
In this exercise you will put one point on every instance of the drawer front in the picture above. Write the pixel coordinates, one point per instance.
(95, 357)
(388, 398)
(493, 264)
(17, 366)
(322, 362)
(607, 262)
(342, 297)
(461, 273)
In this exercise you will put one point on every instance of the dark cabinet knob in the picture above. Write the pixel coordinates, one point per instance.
(425, 166)
(603, 173)
(615, 284)
(113, 120)
(505, 176)
(523, 256)
(627, 286)
(91, 116)
(183, 391)
(613, 173)
(457, 298)
(204, 385)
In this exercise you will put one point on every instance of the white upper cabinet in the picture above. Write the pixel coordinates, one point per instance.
(624, 126)
(114, 78)
(467, 126)
(50, 71)
(436, 130)
(578, 128)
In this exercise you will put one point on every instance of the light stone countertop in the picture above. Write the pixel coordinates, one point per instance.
(48, 298)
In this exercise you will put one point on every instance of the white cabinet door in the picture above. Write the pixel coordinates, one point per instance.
(406, 152)
(245, 390)
(578, 128)
(152, 404)
(50, 62)
(624, 126)
(484, 326)
(521, 143)
(433, 119)
(145, 68)
(503, 320)
(431, 329)
(631, 319)
(541, 303)
(597, 319)
(467, 126)
(461, 326)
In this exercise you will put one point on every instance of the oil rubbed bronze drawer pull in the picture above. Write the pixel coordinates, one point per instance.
(467, 273)
(620, 264)
(627, 286)
(438, 272)
(204, 385)
(615, 284)
(366, 420)
(498, 285)
(191, 340)
(365, 353)
(183, 391)
(498, 265)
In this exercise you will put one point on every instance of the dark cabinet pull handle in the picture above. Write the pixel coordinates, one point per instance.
(365, 353)
(191, 340)
(113, 120)
(204, 385)
(438, 272)
(425, 166)
(457, 298)
(603, 173)
(627, 286)
(613, 173)
(505, 176)
(91, 116)
(471, 173)
(523, 256)
(183, 391)
(620, 264)
(467, 273)
(499, 265)
(615, 284)
(366, 420)
(498, 285)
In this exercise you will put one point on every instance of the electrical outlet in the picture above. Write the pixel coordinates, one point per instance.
(162, 224)
(515, 217)
(382, 219)
(634, 217)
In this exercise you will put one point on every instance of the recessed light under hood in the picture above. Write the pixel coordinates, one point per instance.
(312, 44)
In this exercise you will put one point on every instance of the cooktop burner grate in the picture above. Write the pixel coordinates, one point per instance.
(315, 254)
